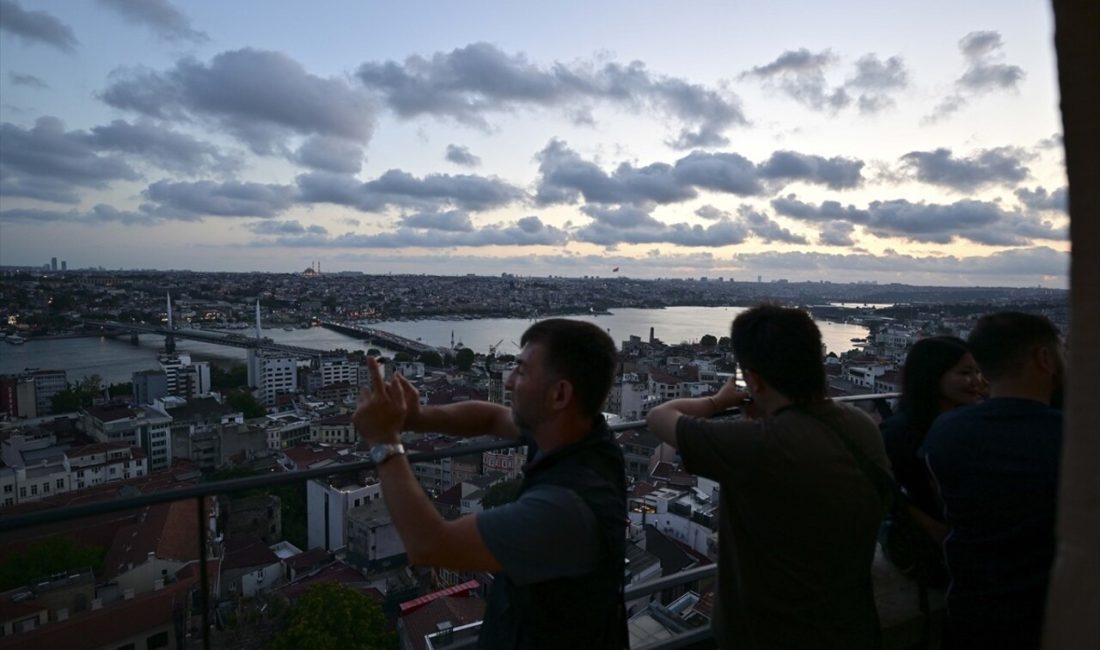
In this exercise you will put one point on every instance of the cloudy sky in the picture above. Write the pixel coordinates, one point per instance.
(800, 140)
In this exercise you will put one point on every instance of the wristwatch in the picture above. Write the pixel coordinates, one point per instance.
(381, 453)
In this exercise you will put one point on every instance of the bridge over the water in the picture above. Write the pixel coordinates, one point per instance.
(231, 340)
(381, 337)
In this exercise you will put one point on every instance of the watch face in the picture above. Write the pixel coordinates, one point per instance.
(379, 454)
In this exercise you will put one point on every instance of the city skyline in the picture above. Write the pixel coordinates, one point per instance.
(794, 140)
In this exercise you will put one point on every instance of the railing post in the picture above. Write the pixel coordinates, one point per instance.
(204, 580)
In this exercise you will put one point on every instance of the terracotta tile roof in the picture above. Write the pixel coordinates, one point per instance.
(95, 448)
(311, 558)
(111, 412)
(336, 572)
(459, 611)
(115, 622)
(247, 552)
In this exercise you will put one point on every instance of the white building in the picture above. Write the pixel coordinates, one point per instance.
(327, 507)
(272, 374)
(372, 535)
(337, 429)
(337, 370)
(689, 516)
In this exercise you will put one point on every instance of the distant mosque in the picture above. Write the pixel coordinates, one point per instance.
(312, 272)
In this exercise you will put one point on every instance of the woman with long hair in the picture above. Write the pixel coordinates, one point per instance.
(939, 374)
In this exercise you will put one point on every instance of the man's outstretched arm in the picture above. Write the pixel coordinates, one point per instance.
(464, 419)
(428, 538)
(662, 420)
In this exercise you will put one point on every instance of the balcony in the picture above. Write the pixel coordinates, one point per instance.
(899, 606)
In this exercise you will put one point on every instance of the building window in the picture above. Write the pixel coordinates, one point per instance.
(22, 491)
(34, 490)
(7, 489)
(60, 483)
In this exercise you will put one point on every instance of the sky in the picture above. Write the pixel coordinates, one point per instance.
(845, 141)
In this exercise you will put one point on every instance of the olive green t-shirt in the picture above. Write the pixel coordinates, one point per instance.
(797, 526)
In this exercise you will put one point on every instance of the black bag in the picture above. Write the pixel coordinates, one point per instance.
(910, 548)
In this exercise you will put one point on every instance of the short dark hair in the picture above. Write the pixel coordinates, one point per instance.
(1001, 342)
(927, 362)
(783, 345)
(581, 353)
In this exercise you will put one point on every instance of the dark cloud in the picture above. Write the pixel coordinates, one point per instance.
(31, 187)
(767, 229)
(259, 96)
(1003, 165)
(836, 233)
(401, 189)
(289, 227)
(711, 213)
(875, 79)
(984, 73)
(800, 74)
(631, 225)
(450, 221)
(97, 215)
(160, 16)
(28, 80)
(790, 206)
(470, 82)
(565, 177)
(179, 200)
(720, 172)
(1039, 199)
(836, 173)
(36, 26)
(528, 231)
(977, 221)
(721, 233)
(331, 154)
(45, 162)
(461, 156)
(167, 149)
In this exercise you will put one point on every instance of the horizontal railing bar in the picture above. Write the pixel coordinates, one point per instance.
(671, 580)
(15, 522)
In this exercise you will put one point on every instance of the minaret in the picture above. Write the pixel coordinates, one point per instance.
(169, 340)
(258, 334)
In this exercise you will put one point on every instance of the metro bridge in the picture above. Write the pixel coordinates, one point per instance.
(231, 340)
(381, 337)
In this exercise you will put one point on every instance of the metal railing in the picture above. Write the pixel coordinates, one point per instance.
(201, 491)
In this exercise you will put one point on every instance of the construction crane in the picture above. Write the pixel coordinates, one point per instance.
(493, 348)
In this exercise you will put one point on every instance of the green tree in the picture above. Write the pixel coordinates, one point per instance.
(77, 395)
(500, 493)
(228, 378)
(724, 342)
(709, 340)
(333, 616)
(66, 401)
(431, 359)
(464, 359)
(124, 389)
(402, 356)
(42, 559)
(246, 403)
